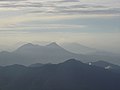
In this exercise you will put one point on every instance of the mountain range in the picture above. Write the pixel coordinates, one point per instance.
(69, 75)
(52, 53)
(82, 49)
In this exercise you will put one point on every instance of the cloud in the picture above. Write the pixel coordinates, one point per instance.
(12, 13)
(77, 11)
(11, 0)
(33, 28)
(69, 1)
(12, 20)
(62, 7)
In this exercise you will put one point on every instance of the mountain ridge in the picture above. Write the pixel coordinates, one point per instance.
(51, 53)
(69, 75)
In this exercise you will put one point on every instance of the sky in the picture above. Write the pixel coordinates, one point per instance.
(93, 23)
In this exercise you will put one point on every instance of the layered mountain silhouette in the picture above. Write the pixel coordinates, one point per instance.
(78, 48)
(69, 75)
(52, 53)
(82, 49)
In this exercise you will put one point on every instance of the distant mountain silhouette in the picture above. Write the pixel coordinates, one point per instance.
(69, 75)
(78, 48)
(52, 53)
(82, 49)
(54, 45)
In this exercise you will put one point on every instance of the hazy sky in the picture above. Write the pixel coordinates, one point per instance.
(94, 23)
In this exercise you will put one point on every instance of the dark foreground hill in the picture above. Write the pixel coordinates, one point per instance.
(106, 65)
(69, 75)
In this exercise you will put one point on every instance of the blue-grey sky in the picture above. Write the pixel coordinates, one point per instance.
(94, 23)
